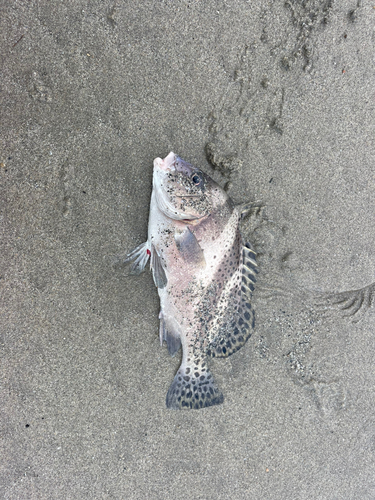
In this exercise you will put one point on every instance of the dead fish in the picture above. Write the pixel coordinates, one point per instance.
(204, 273)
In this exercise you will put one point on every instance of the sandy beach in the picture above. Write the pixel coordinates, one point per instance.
(275, 101)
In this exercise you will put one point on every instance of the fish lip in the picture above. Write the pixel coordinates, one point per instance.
(195, 219)
(166, 165)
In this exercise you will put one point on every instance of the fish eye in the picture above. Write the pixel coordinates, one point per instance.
(196, 179)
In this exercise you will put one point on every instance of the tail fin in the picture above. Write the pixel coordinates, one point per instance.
(193, 387)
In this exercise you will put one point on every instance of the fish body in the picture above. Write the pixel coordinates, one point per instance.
(204, 274)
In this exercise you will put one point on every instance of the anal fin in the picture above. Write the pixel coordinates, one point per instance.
(172, 338)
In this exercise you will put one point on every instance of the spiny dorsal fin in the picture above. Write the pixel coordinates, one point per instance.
(249, 207)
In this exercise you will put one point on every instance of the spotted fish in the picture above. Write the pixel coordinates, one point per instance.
(204, 273)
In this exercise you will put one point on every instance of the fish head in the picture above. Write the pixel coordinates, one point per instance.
(183, 192)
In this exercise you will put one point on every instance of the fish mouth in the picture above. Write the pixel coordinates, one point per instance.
(166, 165)
(161, 169)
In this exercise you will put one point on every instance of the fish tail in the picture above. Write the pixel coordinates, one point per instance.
(193, 387)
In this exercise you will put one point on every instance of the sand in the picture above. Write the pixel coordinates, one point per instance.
(276, 102)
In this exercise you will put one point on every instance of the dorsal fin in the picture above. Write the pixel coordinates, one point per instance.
(237, 315)
(249, 207)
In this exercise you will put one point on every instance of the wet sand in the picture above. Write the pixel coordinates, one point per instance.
(276, 102)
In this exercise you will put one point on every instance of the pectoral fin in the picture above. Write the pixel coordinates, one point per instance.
(189, 248)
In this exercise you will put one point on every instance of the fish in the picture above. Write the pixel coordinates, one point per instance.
(204, 273)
